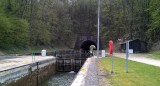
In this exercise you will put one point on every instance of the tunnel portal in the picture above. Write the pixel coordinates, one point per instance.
(86, 45)
(84, 40)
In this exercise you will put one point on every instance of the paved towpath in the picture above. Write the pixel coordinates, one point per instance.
(94, 75)
(140, 58)
(7, 62)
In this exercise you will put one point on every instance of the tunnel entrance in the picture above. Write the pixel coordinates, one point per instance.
(86, 45)
(84, 40)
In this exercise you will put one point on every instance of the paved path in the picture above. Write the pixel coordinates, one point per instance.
(140, 58)
(10, 62)
(94, 75)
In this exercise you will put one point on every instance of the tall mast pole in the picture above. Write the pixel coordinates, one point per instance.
(98, 28)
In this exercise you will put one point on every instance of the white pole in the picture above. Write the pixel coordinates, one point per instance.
(98, 28)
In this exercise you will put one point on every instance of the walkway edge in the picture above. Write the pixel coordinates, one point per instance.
(80, 78)
(22, 64)
(141, 59)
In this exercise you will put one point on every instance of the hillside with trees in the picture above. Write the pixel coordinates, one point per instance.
(54, 23)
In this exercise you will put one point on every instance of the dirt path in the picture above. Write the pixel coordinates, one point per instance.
(140, 58)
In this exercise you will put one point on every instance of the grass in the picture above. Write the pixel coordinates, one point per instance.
(155, 54)
(139, 74)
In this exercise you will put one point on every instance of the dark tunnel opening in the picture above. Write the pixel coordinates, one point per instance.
(86, 45)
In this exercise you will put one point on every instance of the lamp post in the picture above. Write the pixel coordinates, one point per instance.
(98, 28)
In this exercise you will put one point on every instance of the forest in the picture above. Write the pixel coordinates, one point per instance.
(55, 23)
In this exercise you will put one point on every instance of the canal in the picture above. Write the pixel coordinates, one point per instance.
(60, 79)
(65, 62)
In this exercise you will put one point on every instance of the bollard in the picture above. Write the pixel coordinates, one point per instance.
(103, 53)
(43, 53)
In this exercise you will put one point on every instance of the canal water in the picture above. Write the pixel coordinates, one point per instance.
(60, 79)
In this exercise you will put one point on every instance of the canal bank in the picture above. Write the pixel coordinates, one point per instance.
(23, 71)
(91, 74)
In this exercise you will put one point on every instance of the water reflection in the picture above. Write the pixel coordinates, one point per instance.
(60, 79)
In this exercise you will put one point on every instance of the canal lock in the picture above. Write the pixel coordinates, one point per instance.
(37, 73)
(68, 63)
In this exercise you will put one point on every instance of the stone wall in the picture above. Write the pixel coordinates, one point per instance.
(28, 75)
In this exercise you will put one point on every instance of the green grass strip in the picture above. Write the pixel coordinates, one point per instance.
(139, 74)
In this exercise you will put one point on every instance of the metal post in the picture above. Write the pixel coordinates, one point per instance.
(37, 73)
(32, 56)
(127, 55)
(112, 64)
(98, 28)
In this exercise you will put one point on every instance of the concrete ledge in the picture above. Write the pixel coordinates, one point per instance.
(30, 73)
(80, 78)
(14, 62)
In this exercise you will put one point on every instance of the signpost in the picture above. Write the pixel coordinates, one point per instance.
(127, 55)
(112, 64)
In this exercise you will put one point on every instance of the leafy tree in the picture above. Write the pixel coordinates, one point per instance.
(153, 32)
(13, 30)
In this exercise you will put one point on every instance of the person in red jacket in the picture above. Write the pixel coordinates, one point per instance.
(111, 47)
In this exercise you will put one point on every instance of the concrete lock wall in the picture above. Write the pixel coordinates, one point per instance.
(29, 74)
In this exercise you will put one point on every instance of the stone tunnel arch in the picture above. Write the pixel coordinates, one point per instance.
(86, 44)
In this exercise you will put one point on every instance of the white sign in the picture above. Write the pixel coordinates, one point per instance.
(131, 51)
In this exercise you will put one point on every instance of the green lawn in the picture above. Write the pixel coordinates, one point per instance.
(139, 74)
(155, 54)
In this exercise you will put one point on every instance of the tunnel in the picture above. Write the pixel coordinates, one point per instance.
(86, 45)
